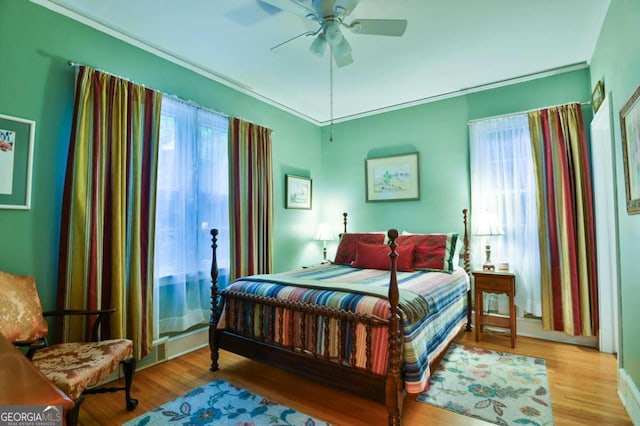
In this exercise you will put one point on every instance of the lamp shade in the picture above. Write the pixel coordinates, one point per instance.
(486, 224)
(324, 232)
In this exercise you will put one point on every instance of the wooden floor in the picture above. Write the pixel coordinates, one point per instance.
(582, 381)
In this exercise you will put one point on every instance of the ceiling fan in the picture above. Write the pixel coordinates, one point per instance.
(330, 15)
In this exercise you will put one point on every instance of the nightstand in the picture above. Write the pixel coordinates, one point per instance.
(495, 282)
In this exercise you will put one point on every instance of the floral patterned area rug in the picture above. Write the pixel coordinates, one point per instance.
(221, 403)
(497, 387)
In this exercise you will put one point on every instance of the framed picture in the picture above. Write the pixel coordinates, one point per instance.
(394, 178)
(16, 160)
(597, 96)
(630, 127)
(298, 190)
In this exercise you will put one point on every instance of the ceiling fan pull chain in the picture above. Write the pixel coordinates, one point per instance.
(331, 93)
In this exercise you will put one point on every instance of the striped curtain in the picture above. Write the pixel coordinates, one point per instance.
(251, 198)
(107, 236)
(566, 221)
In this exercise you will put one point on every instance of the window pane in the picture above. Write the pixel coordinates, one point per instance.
(192, 197)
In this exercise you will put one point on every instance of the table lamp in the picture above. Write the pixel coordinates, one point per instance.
(324, 234)
(487, 226)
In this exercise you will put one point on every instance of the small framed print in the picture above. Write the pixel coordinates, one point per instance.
(597, 96)
(298, 190)
(16, 161)
(393, 178)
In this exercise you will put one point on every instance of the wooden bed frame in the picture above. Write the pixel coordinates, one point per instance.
(310, 362)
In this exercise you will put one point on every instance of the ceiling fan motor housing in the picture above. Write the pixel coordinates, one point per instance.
(330, 15)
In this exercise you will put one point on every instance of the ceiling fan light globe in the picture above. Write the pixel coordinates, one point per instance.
(341, 49)
(318, 46)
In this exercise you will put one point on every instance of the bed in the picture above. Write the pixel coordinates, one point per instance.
(372, 322)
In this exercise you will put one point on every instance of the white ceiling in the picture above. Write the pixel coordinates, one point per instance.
(449, 46)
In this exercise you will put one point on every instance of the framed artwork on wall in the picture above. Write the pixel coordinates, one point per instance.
(393, 178)
(298, 192)
(16, 161)
(630, 127)
(597, 96)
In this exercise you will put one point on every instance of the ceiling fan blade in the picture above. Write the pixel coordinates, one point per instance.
(347, 6)
(386, 27)
(291, 6)
(251, 13)
(306, 33)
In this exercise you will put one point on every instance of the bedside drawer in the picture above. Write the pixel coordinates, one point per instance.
(495, 283)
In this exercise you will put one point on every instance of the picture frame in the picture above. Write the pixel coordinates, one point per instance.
(630, 129)
(17, 136)
(597, 96)
(298, 192)
(392, 178)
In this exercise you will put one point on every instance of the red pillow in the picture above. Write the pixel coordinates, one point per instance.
(376, 256)
(346, 252)
(432, 251)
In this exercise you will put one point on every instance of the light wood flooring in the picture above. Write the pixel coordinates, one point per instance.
(583, 386)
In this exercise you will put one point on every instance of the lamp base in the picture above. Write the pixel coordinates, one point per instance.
(488, 266)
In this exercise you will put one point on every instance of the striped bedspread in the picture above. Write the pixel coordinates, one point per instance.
(433, 306)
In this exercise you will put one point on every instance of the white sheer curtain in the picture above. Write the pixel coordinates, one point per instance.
(192, 198)
(503, 184)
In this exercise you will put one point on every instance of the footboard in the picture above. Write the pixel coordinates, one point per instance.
(331, 346)
(304, 328)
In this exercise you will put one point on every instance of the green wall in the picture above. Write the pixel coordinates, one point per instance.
(616, 61)
(439, 132)
(37, 83)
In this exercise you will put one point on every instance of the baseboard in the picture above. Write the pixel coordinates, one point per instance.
(187, 342)
(167, 348)
(531, 327)
(629, 395)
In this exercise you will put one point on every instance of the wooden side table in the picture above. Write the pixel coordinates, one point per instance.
(495, 282)
(24, 384)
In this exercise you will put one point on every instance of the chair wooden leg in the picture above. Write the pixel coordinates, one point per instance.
(129, 367)
(72, 414)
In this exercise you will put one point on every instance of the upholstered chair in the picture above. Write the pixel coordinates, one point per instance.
(76, 368)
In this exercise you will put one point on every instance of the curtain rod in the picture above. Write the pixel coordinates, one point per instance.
(524, 112)
(74, 64)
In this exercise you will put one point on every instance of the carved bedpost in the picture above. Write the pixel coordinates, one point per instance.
(344, 215)
(465, 251)
(394, 379)
(467, 263)
(215, 305)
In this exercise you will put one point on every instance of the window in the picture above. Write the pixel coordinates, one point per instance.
(503, 184)
(192, 196)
